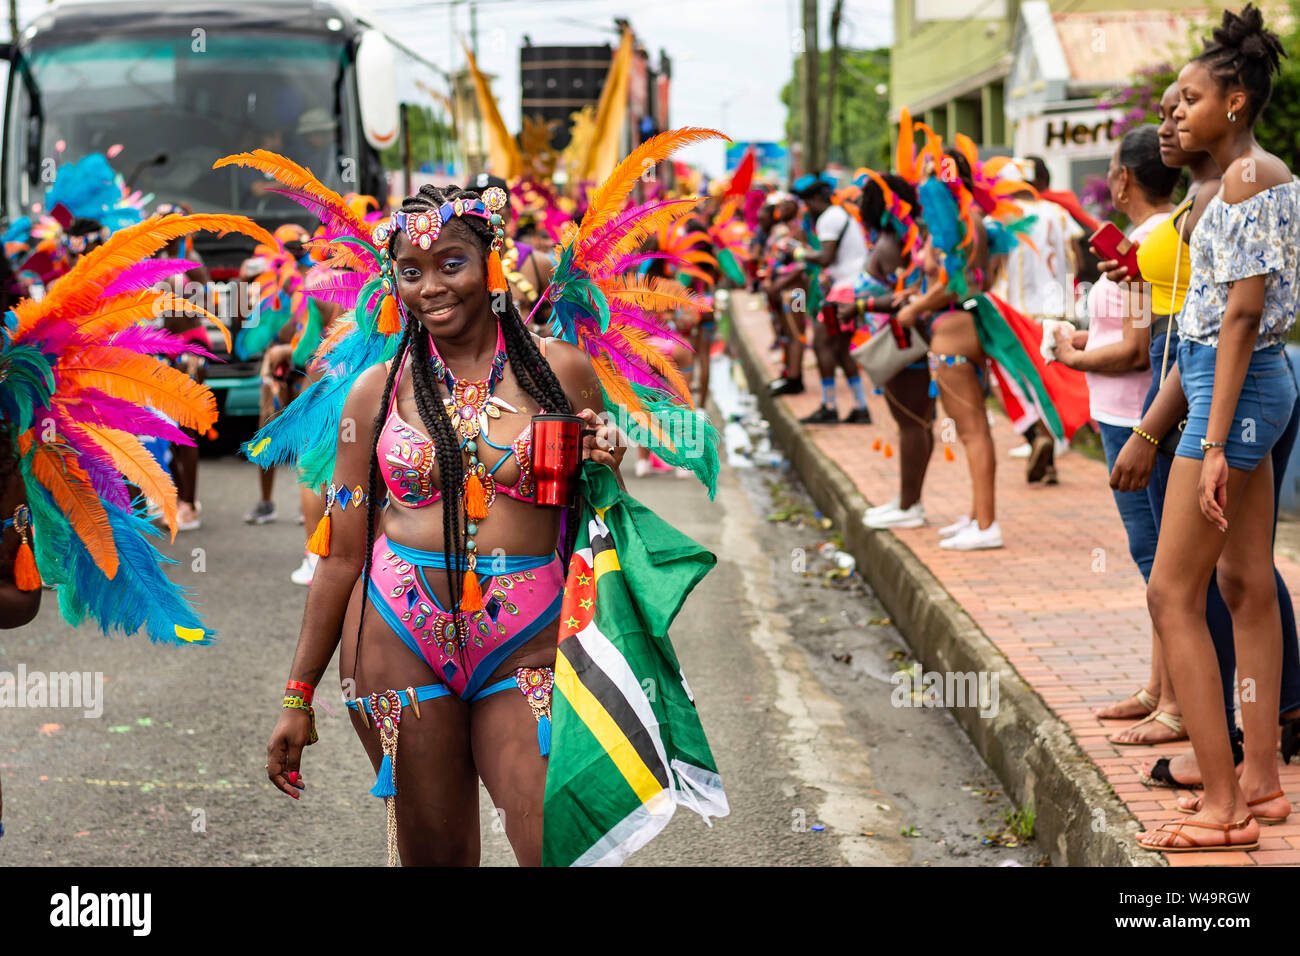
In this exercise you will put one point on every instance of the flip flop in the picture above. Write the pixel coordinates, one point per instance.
(1178, 825)
(1162, 776)
(1264, 821)
(1172, 721)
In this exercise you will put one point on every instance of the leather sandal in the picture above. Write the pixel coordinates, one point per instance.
(1264, 821)
(1172, 721)
(1143, 697)
(1224, 828)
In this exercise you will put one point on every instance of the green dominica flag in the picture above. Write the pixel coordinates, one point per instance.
(627, 745)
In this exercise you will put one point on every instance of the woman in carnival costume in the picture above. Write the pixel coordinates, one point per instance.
(966, 326)
(80, 384)
(447, 602)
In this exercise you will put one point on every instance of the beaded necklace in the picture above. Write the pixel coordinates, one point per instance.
(471, 406)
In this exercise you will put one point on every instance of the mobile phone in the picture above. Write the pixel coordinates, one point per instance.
(1112, 244)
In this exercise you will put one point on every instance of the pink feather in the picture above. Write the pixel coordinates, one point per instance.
(340, 288)
(109, 411)
(103, 473)
(150, 341)
(146, 274)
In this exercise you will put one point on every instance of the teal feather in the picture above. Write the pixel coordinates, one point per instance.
(694, 438)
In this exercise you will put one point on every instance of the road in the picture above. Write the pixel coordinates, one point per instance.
(791, 674)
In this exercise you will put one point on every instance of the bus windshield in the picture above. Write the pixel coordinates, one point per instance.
(174, 105)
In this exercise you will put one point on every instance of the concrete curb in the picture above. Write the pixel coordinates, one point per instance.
(1079, 820)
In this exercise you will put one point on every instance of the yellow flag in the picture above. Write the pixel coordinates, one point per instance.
(611, 111)
(503, 154)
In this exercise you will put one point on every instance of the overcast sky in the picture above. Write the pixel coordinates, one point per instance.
(730, 57)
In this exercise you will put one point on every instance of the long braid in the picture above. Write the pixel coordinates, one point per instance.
(372, 487)
(451, 468)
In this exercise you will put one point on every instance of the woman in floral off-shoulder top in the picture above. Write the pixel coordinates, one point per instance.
(1242, 299)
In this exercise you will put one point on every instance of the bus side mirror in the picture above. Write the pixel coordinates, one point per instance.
(376, 72)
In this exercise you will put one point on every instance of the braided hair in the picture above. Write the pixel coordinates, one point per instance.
(1242, 52)
(872, 202)
(535, 376)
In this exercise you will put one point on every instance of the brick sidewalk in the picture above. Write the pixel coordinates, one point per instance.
(1079, 637)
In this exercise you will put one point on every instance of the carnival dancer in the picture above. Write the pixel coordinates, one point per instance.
(968, 325)
(890, 211)
(1242, 300)
(78, 385)
(437, 384)
(841, 253)
(781, 273)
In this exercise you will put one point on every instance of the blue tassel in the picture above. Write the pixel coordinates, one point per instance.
(544, 735)
(934, 389)
(384, 786)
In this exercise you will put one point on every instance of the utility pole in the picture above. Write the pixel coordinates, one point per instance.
(832, 81)
(13, 21)
(811, 77)
(473, 27)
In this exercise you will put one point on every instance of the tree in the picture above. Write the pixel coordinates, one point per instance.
(860, 133)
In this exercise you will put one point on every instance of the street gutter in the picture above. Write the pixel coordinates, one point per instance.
(1079, 820)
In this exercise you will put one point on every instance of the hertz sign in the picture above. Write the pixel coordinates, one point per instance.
(1086, 134)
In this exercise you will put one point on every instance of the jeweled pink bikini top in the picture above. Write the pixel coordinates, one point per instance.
(407, 456)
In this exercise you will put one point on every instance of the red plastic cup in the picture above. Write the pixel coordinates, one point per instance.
(557, 454)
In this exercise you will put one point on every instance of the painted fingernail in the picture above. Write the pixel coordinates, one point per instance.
(295, 794)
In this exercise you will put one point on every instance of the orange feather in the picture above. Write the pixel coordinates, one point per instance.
(289, 173)
(905, 157)
(55, 467)
(133, 460)
(77, 293)
(141, 379)
(608, 199)
(651, 293)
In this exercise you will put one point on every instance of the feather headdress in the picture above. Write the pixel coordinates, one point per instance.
(80, 384)
(597, 305)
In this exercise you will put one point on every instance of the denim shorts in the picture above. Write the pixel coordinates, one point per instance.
(1268, 394)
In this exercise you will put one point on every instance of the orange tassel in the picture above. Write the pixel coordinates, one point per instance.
(475, 499)
(471, 598)
(496, 276)
(319, 542)
(389, 323)
(947, 454)
(875, 445)
(889, 452)
(25, 574)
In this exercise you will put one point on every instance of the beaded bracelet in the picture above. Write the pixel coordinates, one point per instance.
(1143, 434)
(297, 703)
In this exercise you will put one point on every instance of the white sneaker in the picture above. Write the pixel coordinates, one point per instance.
(891, 505)
(306, 571)
(972, 538)
(913, 517)
(947, 531)
(1021, 451)
(642, 467)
